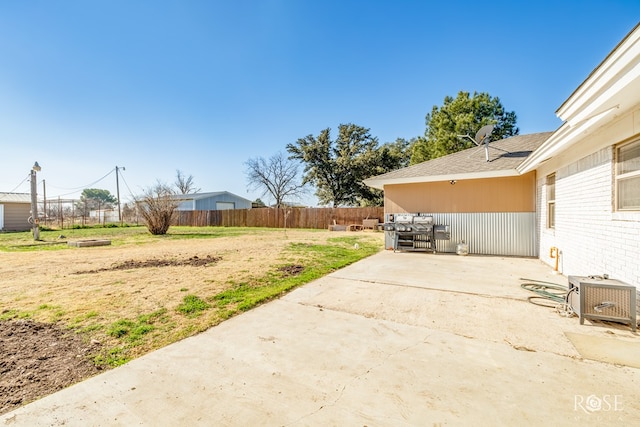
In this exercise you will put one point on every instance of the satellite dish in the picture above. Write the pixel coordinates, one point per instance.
(484, 133)
(482, 137)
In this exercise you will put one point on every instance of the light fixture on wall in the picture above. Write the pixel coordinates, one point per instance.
(453, 182)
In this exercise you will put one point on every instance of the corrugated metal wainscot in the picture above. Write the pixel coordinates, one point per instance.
(493, 233)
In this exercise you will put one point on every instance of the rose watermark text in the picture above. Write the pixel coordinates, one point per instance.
(592, 403)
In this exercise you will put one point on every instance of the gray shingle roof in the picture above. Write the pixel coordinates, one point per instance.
(504, 156)
(199, 196)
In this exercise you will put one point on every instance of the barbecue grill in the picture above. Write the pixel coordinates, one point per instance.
(413, 232)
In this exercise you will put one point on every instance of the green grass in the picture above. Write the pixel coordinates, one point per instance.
(80, 321)
(9, 314)
(90, 328)
(51, 239)
(129, 334)
(121, 328)
(192, 306)
(322, 260)
(112, 357)
(138, 334)
(133, 331)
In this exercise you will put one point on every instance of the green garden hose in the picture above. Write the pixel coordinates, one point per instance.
(548, 290)
(556, 294)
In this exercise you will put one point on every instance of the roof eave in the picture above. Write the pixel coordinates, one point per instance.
(607, 93)
(599, 78)
(565, 137)
(380, 183)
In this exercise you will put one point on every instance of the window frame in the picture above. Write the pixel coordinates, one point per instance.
(550, 186)
(620, 177)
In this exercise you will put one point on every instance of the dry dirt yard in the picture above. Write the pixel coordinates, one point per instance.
(56, 307)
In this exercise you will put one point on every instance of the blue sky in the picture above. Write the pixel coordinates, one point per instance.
(202, 86)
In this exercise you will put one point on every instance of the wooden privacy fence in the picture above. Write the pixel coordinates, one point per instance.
(279, 218)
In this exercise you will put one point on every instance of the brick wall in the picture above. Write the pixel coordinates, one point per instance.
(592, 238)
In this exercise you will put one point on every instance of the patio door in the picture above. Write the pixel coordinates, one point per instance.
(1, 217)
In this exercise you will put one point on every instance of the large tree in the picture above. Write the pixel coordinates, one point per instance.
(388, 157)
(185, 184)
(96, 198)
(277, 177)
(337, 167)
(463, 115)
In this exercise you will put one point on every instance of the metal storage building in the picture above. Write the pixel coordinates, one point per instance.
(215, 201)
(15, 209)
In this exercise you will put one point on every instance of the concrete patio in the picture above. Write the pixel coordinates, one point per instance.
(396, 339)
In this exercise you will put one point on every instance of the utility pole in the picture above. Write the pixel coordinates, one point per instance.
(118, 195)
(34, 201)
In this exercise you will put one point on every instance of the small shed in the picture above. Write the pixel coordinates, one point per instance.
(215, 201)
(15, 209)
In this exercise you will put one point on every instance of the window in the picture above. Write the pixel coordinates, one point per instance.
(551, 200)
(225, 206)
(628, 177)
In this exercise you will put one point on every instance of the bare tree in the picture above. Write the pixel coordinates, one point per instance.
(185, 184)
(157, 206)
(276, 176)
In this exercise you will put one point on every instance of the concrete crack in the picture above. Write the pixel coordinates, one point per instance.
(449, 291)
(357, 378)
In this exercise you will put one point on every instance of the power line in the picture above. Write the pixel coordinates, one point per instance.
(85, 186)
(18, 186)
(72, 190)
(127, 185)
(22, 182)
(82, 187)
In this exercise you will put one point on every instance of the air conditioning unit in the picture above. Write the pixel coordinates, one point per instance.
(595, 297)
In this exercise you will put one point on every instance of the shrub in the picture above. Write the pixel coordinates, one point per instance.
(157, 207)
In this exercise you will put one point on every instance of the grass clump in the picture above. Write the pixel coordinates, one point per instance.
(133, 331)
(9, 314)
(113, 357)
(121, 328)
(192, 306)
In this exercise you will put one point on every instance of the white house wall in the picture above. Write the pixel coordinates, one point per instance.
(591, 236)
